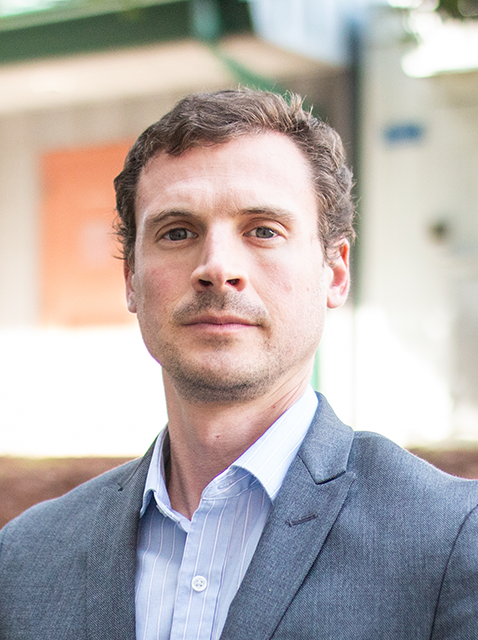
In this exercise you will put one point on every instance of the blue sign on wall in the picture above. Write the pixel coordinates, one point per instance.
(403, 132)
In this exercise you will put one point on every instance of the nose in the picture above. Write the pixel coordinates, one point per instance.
(221, 264)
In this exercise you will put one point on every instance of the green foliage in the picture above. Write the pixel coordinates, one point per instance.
(462, 9)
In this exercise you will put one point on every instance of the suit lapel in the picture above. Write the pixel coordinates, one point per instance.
(303, 513)
(111, 559)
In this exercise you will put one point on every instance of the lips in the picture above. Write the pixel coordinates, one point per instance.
(212, 309)
(220, 320)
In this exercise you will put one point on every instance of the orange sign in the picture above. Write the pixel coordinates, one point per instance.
(81, 279)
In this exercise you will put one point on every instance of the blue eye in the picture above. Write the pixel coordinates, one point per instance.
(178, 234)
(264, 232)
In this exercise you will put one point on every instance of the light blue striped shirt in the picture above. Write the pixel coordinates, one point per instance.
(188, 572)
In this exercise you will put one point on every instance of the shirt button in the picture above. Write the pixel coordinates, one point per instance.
(199, 583)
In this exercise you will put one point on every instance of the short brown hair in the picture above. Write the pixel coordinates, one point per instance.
(203, 119)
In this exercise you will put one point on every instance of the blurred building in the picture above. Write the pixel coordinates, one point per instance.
(417, 318)
(80, 80)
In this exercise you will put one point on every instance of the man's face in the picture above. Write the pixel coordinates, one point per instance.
(229, 283)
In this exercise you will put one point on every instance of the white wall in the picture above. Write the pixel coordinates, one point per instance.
(408, 367)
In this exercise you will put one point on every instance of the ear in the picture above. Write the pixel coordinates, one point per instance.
(129, 284)
(339, 283)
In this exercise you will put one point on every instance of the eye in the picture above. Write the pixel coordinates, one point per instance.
(263, 232)
(178, 234)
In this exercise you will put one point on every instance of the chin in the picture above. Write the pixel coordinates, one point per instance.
(218, 387)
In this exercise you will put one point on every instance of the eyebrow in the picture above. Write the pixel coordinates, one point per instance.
(169, 215)
(165, 216)
(274, 212)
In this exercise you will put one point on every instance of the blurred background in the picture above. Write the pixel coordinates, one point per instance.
(80, 79)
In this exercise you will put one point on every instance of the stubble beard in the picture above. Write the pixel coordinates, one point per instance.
(220, 381)
(222, 375)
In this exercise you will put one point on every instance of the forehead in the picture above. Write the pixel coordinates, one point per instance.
(267, 165)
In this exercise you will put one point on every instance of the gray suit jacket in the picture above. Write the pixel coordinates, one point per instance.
(364, 542)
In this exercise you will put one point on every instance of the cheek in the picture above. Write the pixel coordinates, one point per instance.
(291, 282)
(155, 295)
(295, 305)
(299, 300)
(165, 279)
(278, 277)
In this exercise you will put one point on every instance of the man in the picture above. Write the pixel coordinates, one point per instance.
(257, 514)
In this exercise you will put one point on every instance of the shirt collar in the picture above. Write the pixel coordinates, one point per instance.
(268, 459)
(155, 480)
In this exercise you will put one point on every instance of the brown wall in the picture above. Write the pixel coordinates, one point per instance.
(24, 482)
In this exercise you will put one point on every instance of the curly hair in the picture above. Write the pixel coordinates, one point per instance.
(204, 119)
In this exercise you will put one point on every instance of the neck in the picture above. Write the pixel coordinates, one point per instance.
(206, 438)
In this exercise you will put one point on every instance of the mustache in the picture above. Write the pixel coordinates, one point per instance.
(230, 303)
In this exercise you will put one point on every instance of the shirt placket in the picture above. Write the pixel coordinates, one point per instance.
(203, 564)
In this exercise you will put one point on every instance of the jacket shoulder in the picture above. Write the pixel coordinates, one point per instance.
(54, 552)
(383, 466)
(71, 510)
